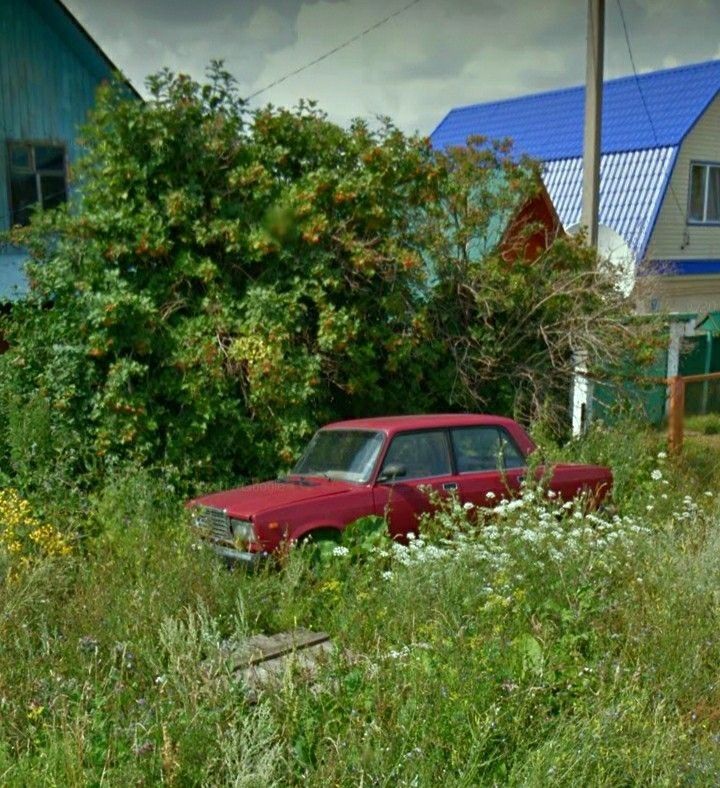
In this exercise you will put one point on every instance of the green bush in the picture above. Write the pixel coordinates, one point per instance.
(226, 281)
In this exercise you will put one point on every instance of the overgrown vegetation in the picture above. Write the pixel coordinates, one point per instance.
(227, 280)
(545, 646)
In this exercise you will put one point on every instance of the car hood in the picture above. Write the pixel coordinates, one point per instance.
(245, 502)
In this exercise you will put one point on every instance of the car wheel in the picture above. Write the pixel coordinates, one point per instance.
(320, 542)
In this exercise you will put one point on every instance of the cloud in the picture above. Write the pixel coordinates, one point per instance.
(439, 54)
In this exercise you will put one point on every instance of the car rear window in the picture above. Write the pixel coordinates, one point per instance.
(484, 449)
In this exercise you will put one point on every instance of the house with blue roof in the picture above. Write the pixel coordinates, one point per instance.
(50, 68)
(659, 173)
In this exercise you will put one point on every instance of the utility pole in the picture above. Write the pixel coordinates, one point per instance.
(582, 389)
(593, 118)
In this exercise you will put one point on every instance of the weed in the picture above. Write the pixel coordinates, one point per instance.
(533, 644)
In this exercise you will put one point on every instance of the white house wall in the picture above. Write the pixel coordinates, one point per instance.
(673, 238)
(683, 294)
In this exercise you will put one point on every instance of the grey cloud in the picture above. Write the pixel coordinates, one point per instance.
(439, 54)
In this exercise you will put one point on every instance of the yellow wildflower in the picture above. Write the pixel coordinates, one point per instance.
(23, 537)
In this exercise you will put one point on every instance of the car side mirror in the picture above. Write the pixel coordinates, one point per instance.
(391, 472)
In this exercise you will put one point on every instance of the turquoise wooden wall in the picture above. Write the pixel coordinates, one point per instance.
(49, 71)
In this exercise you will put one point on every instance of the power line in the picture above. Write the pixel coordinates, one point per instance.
(332, 51)
(644, 102)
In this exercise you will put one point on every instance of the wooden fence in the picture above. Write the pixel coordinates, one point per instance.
(676, 409)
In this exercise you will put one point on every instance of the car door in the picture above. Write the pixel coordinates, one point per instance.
(424, 456)
(489, 464)
(571, 480)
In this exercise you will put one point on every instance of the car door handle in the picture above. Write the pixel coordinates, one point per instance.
(450, 486)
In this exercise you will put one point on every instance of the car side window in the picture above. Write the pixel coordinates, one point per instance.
(484, 449)
(422, 454)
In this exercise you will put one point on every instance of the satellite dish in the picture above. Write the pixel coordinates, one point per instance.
(614, 251)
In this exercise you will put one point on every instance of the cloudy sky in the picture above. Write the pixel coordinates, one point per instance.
(435, 55)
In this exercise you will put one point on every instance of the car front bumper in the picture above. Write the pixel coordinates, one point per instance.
(234, 556)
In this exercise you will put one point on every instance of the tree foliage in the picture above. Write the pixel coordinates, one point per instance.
(227, 280)
(513, 325)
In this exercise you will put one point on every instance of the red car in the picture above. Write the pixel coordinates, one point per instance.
(376, 466)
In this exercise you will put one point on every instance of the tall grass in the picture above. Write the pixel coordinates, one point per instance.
(536, 646)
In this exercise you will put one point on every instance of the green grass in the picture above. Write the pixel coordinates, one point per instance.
(538, 653)
(705, 425)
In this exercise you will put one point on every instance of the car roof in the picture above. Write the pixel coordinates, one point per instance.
(393, 424)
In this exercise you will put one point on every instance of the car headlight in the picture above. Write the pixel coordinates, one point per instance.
(242, 530)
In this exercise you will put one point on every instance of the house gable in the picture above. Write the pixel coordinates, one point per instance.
(531, 230)
(646, 121)
(50, 69)
(673, 238)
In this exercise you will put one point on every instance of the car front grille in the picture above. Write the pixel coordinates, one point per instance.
(213, 523)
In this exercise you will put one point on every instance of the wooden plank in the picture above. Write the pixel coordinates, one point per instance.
(263, 648)
(260, 674)
(701, 378)
(261, 661)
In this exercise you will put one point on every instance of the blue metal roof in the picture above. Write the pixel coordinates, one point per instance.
(549, 126)
(631, 187)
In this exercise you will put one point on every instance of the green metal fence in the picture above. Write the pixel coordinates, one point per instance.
(621, 393)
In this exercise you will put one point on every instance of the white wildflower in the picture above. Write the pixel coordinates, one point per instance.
(551, 494)
(662, 455)
(490, 495)
(656, 475)
(340, 551)
(468, 505)
(708, 493)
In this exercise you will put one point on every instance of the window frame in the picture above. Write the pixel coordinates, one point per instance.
(451, 449)
(373, 470)
(498, 428)
(33, 144)
(418, 431)
(706, 165)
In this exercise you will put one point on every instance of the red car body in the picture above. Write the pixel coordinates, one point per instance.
(448, 453)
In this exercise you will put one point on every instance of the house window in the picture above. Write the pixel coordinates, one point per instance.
(37, 176)
(705, 193)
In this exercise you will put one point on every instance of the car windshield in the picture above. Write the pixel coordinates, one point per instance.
(347, 455)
